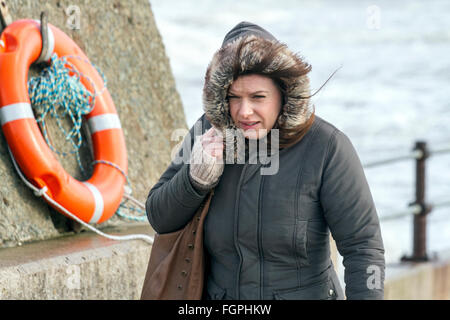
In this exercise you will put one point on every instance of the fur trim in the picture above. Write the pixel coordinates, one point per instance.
(219, 77)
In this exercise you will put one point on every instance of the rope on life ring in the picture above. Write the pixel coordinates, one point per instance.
(91, 201)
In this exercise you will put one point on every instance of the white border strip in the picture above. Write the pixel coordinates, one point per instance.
(51, 44)
(99, 204)
(16, 111)
(104, 122)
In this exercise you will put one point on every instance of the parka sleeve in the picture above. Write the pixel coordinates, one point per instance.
(173, 200)
(352, 217)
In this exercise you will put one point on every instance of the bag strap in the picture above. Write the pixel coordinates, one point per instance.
(207, 203)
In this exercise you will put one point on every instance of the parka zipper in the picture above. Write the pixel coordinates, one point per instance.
(259, 236)
(236, 226)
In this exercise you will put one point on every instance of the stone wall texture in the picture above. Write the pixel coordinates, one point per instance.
(76, 267)
(122, 39)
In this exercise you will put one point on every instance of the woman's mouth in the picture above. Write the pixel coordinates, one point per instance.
(248, 124)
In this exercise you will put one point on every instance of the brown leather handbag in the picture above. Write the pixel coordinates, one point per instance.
(176, 269)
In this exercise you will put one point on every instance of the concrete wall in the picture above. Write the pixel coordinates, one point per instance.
(122, 39)
(40, 256)
(419, 281)
(85, 266)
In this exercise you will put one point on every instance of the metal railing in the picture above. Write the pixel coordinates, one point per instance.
(419, 208)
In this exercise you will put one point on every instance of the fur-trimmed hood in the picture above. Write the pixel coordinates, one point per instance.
(221, 71)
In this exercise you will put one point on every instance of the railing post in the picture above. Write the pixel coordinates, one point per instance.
(420, 219)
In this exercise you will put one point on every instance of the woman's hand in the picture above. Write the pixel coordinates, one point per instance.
(207, 164)
(212, 142)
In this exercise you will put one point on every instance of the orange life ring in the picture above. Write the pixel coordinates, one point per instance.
(94, 200)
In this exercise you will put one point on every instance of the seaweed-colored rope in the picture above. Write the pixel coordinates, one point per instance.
(58, 92)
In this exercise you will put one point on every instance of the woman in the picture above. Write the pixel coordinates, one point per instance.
(267, 233)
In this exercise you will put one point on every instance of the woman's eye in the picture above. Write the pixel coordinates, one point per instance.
(231, 97)
(259, 97)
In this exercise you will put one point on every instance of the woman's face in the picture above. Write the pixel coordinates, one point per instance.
(255, 102)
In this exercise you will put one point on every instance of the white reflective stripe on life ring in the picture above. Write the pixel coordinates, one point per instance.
(16, 111)
(104, 122)
(99, 204)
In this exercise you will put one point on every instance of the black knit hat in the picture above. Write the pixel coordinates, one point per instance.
(247, 28)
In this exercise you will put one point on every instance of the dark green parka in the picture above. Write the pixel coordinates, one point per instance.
(267, 235)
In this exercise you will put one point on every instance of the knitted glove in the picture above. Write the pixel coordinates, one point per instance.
(206, 166)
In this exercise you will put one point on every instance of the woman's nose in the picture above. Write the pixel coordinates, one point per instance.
(246, 108)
